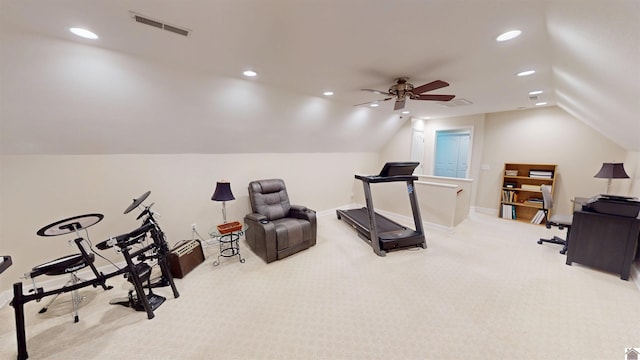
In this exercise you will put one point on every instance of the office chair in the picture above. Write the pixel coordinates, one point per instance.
(560, 221)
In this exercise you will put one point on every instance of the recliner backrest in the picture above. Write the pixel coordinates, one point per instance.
(269, 198)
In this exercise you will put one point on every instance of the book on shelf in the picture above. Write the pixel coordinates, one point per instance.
(542, 174)
(530, 187)
(508, 211)
(538, 217)
(534, 219)
(509, 196)
(534, 201)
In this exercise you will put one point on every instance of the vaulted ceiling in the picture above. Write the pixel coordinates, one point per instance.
(140, 89)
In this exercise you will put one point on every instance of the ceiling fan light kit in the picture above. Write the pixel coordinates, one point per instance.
(402, 90)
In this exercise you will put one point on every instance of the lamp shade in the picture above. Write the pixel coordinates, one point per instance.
(612, 171)
(222, 192)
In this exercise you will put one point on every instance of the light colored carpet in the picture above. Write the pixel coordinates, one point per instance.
(486, 290)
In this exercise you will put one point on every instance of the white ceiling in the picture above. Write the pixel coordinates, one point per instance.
(586, 54)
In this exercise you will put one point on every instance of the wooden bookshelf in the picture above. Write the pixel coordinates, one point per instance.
(520, 196)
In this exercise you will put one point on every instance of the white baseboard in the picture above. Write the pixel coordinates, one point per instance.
(483, 210)
(635, 274)
(5, 297)
(324, 213)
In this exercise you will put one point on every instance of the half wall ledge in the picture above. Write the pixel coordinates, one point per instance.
(444, 201)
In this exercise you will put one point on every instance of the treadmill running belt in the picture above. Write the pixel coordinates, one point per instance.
(383, 224)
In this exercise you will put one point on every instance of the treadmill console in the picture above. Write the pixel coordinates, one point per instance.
(398, 169)
(392, 171)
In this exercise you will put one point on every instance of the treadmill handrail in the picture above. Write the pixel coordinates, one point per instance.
(379, 179)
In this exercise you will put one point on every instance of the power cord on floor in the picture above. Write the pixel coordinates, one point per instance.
(194, 233)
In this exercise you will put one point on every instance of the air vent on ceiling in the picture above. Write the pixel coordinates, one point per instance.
(158, 24)
(456, 103)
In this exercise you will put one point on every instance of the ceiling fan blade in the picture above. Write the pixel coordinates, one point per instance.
(379, 92)
(399, 105)
(430, 86)
(434, 97)
(374, 101)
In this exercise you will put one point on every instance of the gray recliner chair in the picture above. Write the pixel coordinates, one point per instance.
(277, 229)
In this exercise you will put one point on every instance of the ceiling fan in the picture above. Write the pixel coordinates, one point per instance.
(402, 90)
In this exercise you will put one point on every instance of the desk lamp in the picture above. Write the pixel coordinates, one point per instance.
(611, 171)
(223, 193)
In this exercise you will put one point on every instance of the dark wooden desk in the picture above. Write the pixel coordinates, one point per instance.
(602, 241)
(6, 262)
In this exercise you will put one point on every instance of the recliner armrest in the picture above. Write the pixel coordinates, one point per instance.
(299, 208)
(256, 217)
(261, 236)
(302, 212)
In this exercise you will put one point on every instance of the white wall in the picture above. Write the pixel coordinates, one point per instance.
(38, 190)
(547, 136)
(432, 197)
(399, 146)
(632, 166)
(542, 135)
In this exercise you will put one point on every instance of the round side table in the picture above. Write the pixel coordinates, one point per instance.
(229, 243)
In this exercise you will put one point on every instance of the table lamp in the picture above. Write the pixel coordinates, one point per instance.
(223, 193)
(611, 171)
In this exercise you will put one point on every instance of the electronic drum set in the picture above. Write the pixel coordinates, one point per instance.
(138, 269)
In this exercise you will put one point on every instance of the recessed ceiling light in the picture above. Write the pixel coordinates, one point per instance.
(249, 73)
(374, 105)
(84, 33)
(526, 73)
(541, 103)
(509, 35)
(327, 93)
(406, 112)
(537, 92)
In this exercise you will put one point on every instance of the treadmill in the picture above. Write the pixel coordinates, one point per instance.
(382, 233)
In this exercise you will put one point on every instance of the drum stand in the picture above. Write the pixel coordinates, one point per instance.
(146, 302)
(159, 240)
(75, 297)
(163, 252)
(141, 272)
(19, 299)
(65, 265)
(136, 275)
